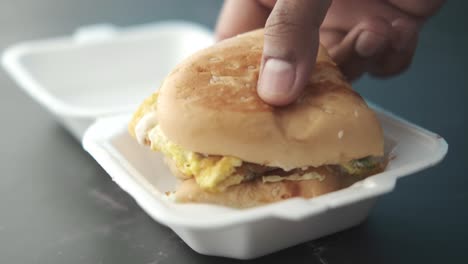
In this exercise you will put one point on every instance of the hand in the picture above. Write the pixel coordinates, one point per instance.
(291, 41)
(375, 36)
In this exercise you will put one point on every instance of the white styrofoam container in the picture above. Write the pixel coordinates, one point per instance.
(250, 233)
(101, 69)
(102, 72)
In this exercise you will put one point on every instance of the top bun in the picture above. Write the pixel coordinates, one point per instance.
(209, 104)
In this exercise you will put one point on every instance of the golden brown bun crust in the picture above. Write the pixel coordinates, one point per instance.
(209, 104)
(254, 193)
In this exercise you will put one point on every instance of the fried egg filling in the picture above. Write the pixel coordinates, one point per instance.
(215, 173)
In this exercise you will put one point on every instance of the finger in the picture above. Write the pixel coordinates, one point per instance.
(345, 15)
(331, 37)
(406, 30)
(367, 40)
(290, 49)
(238, 16)
(394, 61)
(399, 55)
(354, 66)
(420, 8)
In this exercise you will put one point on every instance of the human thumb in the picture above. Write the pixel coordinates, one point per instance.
(290, 49)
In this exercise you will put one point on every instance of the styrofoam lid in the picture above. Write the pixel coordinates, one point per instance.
(102, 69)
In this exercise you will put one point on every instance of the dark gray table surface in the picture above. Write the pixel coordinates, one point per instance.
(58, 206)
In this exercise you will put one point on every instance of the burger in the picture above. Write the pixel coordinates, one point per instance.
(230, 148)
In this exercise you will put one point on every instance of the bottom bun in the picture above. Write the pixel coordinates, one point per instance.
(257, 192)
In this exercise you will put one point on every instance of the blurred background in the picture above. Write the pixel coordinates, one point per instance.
(58, 206)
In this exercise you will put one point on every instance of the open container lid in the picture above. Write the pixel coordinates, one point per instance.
(101, 69)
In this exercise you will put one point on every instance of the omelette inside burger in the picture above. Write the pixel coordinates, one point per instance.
(228, 147)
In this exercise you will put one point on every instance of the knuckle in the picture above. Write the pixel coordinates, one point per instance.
(280, 29)
(376, 24)
(280, 23)
(283, 37)
(295, 17)
(419, 8)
